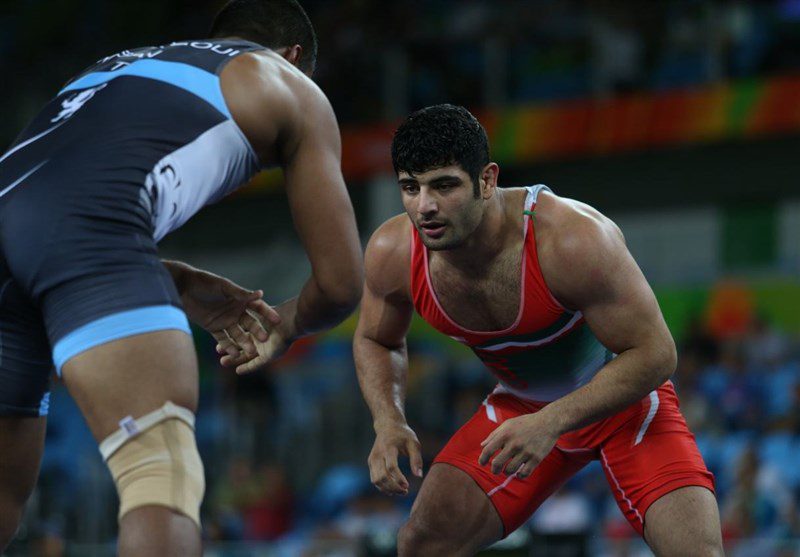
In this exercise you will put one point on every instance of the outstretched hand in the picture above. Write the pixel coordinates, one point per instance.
(235, 316)
(279, 337)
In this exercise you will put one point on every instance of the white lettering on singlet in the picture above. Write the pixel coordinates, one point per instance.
(146, 53)
(130, 54)
(214, 47)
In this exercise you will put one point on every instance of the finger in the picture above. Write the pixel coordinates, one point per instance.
(415, 457)
(393, 470)
(232, 361)
(252, 365)
(526, 469)
(499, 461)
(489, 438)
(263, 309)
(516, 463)
(242, 339)
(380, 477)
(251, 323)
(225, 345)
(395, 478)
(493, 444)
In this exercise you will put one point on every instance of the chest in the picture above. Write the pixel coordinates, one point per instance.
(487, 299)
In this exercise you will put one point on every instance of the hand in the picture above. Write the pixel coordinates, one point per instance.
(390, 442)
(276, 344)
(232, 314)
(521, 443)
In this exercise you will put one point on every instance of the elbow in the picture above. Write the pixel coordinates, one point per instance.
(666, 360)
(343, 292)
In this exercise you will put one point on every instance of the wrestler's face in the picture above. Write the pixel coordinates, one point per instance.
(444, 204)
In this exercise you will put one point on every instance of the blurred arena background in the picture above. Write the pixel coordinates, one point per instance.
(680, 119)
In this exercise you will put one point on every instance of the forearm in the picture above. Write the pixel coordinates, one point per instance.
(622, 382)
(315, 310)
(382, 376)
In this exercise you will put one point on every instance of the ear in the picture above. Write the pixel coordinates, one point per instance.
(294, 54)
(489, 176)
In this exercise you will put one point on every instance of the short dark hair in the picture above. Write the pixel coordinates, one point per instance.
(271, 23)
(439, 136)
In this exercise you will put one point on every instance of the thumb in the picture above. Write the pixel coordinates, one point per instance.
(415, 458)
(233, 290)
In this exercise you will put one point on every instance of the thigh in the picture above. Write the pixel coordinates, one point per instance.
(132, 376)
(513, 499)
(693, 512)
(651, 455)
(453, 506)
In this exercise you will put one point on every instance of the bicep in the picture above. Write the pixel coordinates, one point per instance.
(622, 310)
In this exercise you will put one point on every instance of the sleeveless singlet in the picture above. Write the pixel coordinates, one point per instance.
(152, 117)
(547, 352)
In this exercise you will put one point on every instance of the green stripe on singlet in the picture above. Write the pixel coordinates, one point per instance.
(570, 358)
(559, 324)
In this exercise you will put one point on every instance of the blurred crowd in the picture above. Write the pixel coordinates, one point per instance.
(380, 60)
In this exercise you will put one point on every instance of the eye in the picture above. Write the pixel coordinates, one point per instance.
(410, 188)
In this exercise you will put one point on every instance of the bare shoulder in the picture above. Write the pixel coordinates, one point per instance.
(388, 258)
(272, 100)
(572, 228)
(578, 246)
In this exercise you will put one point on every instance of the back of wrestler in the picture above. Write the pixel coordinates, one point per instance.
(126, 152)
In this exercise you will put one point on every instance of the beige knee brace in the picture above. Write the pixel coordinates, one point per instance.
(154, 461)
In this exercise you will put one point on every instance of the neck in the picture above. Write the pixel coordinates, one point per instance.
(486, 242)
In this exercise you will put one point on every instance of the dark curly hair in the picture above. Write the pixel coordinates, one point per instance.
(270, 23)
(439, 136)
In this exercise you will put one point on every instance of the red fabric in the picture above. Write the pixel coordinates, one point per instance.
(538, 308)
(664, 460)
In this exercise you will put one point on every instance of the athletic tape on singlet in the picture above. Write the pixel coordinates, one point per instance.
(189, 78)
(117, 326)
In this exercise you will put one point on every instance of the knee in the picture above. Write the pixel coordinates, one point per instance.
(419, 538)
(159, 465)
(415, 539)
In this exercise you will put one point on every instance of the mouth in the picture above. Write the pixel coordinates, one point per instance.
(433, 229)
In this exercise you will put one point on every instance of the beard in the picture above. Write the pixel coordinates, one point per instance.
(446, 242)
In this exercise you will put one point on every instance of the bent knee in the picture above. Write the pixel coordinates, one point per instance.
(416, 538)
(159, 464)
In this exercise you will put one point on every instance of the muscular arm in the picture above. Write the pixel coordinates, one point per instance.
(590, 269)
(310, 149)
(379, 348)
(379, 345)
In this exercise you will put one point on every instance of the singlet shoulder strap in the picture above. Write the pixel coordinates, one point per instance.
(533, 195)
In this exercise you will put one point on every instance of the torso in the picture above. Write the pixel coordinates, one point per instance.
(494, 294)
(537, 348)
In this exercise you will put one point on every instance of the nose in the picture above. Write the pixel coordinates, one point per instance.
(427, 204)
